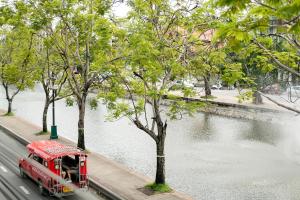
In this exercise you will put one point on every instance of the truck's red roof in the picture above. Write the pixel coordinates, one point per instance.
(49, 149)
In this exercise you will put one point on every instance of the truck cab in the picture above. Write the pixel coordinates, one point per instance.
(57, 168)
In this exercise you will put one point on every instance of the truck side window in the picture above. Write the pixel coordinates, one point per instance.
(38, 159)
(35, 157)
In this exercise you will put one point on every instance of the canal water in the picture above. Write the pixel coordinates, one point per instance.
(208, 157)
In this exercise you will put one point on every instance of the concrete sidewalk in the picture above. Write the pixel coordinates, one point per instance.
(119, 181)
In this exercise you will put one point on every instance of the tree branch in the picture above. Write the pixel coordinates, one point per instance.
(279, 104)
(281, 65)
(148, 131)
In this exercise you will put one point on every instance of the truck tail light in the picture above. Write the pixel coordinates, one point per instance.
(56, 166)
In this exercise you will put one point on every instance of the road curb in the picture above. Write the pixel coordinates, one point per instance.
(92, 183)
(14, 135)
(104, 190)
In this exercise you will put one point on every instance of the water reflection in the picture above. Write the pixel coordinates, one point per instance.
(202, 129)
(265, 132)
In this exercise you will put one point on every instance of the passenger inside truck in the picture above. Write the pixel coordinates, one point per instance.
(66, 174)
(70, 164)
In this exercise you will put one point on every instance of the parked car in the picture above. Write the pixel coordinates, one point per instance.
(188, 84)
(216, 86)
(198, 84)
(58, 169)
(179, 84)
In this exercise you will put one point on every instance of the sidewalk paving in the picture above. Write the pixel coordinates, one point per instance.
(116, 178)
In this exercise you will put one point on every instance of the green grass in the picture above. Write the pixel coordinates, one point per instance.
(161, 188)
(9, 114)
(42, 133)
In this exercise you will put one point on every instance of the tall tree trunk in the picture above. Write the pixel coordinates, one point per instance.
(257, 99)
(160, 177)
(9, 109)
(45, 113)
(81, 109)
(207, 85)
(9, 99)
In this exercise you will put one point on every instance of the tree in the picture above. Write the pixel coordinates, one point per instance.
(83, 37)
(262, 22)
(267, 25)
(207, 56)
(52, 74)
(258, 67)
(51, 69)
(206, 64)
(154, 58)
(17, 69)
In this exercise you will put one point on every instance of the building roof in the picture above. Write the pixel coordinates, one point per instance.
(49, 149)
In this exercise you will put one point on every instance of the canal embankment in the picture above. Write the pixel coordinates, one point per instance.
(228, 106)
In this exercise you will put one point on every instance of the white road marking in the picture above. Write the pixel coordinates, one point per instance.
(3, 169)
(24, 190)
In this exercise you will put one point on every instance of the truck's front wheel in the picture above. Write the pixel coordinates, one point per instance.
(42, 190)
(22, 173)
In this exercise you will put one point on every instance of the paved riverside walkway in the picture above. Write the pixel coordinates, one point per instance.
(110, 175)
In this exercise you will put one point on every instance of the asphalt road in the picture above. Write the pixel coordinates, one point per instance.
(12, 186)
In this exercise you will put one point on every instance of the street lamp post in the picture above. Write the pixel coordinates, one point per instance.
(53, 127)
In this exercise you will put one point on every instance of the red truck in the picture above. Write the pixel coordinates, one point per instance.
(57, 168)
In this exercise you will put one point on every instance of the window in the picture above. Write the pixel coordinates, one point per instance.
(37, 158)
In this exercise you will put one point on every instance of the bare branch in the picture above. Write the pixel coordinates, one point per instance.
(131, 98)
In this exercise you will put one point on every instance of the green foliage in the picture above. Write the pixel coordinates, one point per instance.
(273, 24)
(177, 107)
(17, 62)
(42, 133)
(152, 64)
(69, 101)
(93, 103)
(118, 110)
(233, 73)
(9, 114)
(205, 57)
(18, 69)
(245, 96)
